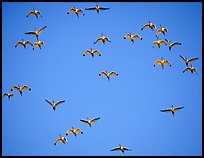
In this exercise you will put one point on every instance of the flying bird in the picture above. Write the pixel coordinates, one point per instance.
(92, 52)
(149, 25)
(191, 68)
(159, 43)
(187, 61)
(54, 105)
(34, 12)
(121, 148)
(90, 121)
(24, 43)
(36, 33)
(97, 8)
(172, 44)
(77, 11)
(8, 95)
(172, 109)
(20, 89)
(38, 44)
(108, 75)
(132, 37)
(74, 131)
(161, 30)
(102, 39)
(162, 62)
(61, 139)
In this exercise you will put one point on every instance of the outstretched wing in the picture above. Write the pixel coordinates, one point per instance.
(49, 102)
(25, 87)
(5, 94)
(95, 119)
(192, 59)
(178, 108)
(127, 36)
(145, 26)
(113, 73)
(186, 69)
(78, 130)
(125, 148)
(28, 42)
(107, 39)
(176, 43)
(167, 62)
(167, 41)
(15, 88)
(87, 52)
(183, 57)
(117, 148)
(30, 13)
(102, 73)
(92, 8)
(80, 11)
(96, 52)
(58, 140)
(71, 10)
(60, 102)
(98, 40)
(102, 8)
(158, 32)
(31, 33)
(137, 36)
(18, 43)
(40, 31)
(69, 131)
(157, 62)
(166, 110)
(84, 121)
(162, 42)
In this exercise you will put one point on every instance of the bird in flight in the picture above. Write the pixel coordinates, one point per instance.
(90, 121)
(8, 95)
(76, 11)
(121, 148)
(187, 61)
(108, 74)
(149, 25)
(132, 37)
(20, 89)
(54, 105)
(161, 30)
(159, 43)
(24, 43)
(74, 131)
(97, 8)
(36, 33)
(38, 44)
(102, 39)
(191, 68)
(34, 12)
(172, 44)
(162, 62)
(92, 52)
(172, 109)
(61, 139)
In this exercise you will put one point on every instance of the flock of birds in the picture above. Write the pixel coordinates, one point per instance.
(92, 52)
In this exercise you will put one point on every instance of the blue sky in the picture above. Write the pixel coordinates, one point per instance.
(128, 106)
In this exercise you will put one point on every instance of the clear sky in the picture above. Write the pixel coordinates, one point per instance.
(128, 105)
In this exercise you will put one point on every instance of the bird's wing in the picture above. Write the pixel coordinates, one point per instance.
(40, 31)
(58, 140)
(167, 62)
(69, 131)
(42, 43)
(78, 130)
(71, 10)
(128, 35)
(95, 119)
(166, 110)
(18, 43)
(28, 42)
(137, 36)
(87, 52)
(113, 73)
(145, 26)
(107, 39)
(99, 39)
(25, 87)
(102, 8)
(15, 88)
(92, 8)
(186, 69)
(125, 148)
(102, 73)
(30, 13)
(96, 52)
(167, 41)
(5, 94)
(182, 57)
(84, 121)
(162, 42)
(49, 102)
(165, 29)
(178, 108)
(117, 148)
(158, 32)
(192, 59)
(60, 102)
(157, 62)
(80, 11)
(35, 44)
(176, 43)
